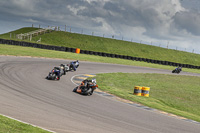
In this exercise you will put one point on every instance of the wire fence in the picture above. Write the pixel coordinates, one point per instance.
(71, 29)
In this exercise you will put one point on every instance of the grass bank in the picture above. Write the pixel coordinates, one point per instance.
(171, 93)
(12, 126)
(100, 44)
(19, 31)
(34, 52)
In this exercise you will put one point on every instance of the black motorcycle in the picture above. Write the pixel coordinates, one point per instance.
(73, 65)
(55, 74)
(86, 87)
(177, 70)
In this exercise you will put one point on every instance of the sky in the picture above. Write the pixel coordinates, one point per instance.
(165, 23)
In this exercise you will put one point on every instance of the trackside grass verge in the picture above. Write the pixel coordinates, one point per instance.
(171, 93)
(12, 126)
(34, 52)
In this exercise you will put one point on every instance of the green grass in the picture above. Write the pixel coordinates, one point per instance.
(171, 93)
(174, 94)
(99, 44)
(34, 52)
(12, 126)
(19, 31)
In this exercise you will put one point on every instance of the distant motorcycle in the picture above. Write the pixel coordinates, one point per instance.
(177, 70)
(86, 87)
(55, 74)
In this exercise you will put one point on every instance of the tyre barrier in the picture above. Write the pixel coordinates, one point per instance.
(95, 53)
(120, 56)
(128, 58)
(112, 55)
(125, 57)
(73, 50)
(99, 54)
(66, 49)
(108, 55)
(133, 58)
(104, 54)
(143, 59)
(90, 52)
(82, 51)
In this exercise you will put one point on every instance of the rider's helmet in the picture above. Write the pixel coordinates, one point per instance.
(94, 81)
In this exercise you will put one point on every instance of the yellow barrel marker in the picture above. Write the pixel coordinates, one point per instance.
(145, 91)
(137, 90)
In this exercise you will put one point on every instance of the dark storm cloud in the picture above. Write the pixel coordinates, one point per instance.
(188, 21)
(144, 19)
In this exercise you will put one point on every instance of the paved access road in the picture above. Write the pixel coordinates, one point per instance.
(26, 95)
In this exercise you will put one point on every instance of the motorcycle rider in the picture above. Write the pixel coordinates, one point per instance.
(87, 84)
(179, 68)
(75, 64)
(57, 71)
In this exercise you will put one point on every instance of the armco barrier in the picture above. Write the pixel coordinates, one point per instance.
(66, 49)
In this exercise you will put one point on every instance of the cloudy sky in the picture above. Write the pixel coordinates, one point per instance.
(175, 23)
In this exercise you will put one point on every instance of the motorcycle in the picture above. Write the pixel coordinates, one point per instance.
(65, 68)
(73, 65)
(177, 70)
(86, 87)
(55, 74)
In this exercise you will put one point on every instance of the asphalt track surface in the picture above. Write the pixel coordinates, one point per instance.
(26, 95)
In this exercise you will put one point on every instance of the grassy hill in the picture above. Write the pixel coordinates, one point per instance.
(100, 44)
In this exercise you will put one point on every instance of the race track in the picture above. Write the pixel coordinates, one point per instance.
(26, 95)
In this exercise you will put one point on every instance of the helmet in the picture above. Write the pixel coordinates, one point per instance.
(94, 81)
